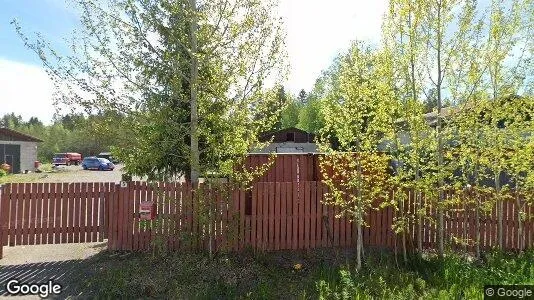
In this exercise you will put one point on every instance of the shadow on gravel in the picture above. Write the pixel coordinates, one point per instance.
(67, 273)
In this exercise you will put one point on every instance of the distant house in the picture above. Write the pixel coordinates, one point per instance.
(289, 140)
(18, 150)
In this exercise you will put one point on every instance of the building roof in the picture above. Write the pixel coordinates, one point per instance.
(7, 134)
(300, 135)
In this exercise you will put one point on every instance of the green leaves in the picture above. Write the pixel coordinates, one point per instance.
(135, 57)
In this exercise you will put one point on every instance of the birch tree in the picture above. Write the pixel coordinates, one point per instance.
(357, 115)
(446, 24)
(519, 124)
(507, 34)
(412, 139)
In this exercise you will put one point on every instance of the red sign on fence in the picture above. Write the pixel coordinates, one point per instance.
(147, 210)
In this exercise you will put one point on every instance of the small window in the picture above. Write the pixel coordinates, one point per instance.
(290, 137)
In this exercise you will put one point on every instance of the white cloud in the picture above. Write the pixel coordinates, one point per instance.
(318, 30)
(25, 90)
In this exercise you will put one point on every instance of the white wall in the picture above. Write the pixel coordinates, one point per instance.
(28, 154)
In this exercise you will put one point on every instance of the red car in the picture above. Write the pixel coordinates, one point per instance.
(69, 158)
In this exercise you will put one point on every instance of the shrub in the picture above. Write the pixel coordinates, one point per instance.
(5, 167)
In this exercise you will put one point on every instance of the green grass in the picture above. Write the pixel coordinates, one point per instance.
(16, 178)
(323, 275)
(46, 168)
(453, 277)
(30, 177)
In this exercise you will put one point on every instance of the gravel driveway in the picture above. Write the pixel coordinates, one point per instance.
(77, 174)
(66, 264)
(70, 174)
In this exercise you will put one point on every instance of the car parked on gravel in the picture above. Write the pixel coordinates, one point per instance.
(95, 163)
(69, 158)
(108, 156)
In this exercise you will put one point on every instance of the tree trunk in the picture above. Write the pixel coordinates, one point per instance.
(477, 221)
(477, 227)
(195, 153)
(500, 237)
(520, 237)
(404, 228)
(359, 240)
(419, 201)
(440, 142)
(359, 247)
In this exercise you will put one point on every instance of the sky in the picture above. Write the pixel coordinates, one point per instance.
(316, 32)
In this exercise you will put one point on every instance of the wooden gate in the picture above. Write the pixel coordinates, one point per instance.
(53, 213)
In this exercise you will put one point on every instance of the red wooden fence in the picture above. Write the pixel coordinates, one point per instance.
(286, 167)
(272, 216)
(287, 215)
(290, 167)
(52, 213)
(269, 216)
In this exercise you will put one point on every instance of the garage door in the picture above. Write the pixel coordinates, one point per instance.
(10, 154)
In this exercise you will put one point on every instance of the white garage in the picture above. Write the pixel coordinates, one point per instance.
(18, 150)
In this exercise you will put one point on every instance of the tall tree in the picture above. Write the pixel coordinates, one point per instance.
(411, 134)
(443, 25)
(190, 73)
(302, 97)
(357, 114)
(504, 35)
(289, 116)
(11, 120)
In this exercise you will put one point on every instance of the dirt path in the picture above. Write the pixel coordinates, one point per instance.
(66, 264)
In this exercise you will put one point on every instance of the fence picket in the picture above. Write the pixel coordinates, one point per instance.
(283, 215)
(91, 235)
(5, 197)
(313, 214)
(13, 214)
(292, 215)
(270, 215)
(28, 216)
(41, 200)
(295, 215)
(253, 212)
(302, 216)
(276, 216)
(259, 187)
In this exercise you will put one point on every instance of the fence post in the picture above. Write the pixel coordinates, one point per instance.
(2, 218)
(105, 211)
(110, 220)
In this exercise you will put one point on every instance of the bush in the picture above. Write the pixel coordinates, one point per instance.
(3, 173)
(452, 277)
(5, 167)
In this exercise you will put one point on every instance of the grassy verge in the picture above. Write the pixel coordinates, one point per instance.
(30, 177)
(16, 178)
(311, 275)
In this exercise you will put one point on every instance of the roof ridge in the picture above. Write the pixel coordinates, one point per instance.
(19, 136)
